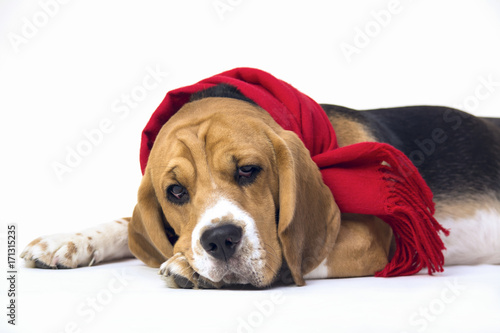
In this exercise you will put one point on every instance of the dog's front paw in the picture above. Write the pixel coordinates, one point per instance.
(60, 251)
(179, 274)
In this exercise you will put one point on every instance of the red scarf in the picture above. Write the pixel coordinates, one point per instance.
(360, 182)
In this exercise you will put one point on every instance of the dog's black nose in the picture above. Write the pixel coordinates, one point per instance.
(220, 242)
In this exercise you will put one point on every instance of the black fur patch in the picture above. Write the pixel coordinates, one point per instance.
(221, 90)
(457, 153)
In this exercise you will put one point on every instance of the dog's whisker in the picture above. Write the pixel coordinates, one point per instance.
(271, 251)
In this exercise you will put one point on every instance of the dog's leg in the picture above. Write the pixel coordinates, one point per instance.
(363, 247)
(104, 242)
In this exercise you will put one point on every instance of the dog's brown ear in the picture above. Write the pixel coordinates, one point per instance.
(309, 219)
(147, 238)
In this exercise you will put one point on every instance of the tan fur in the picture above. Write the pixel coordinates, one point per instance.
(35, 241)
(362, 248)
(71, 250)
(464, 207)
(349, 131)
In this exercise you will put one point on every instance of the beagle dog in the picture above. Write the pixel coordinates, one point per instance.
(229, 197)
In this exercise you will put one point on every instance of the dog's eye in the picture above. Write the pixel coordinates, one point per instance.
(246, 175)
(177, 194)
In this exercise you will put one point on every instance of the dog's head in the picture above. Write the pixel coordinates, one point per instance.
(230, 197)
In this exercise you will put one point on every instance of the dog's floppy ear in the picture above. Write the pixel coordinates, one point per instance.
(309, 219)
(147, 235)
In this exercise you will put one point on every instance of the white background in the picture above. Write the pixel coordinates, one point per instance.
(65, 67)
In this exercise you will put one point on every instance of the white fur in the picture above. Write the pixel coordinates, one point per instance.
(474, 240)
(176, 265)
(172, 265)
(246, 265)
(320, 272)
(104, 242)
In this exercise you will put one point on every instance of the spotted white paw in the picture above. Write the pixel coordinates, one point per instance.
(177, 272)
(60, 251)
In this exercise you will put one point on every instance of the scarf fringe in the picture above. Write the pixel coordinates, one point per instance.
(410, 210)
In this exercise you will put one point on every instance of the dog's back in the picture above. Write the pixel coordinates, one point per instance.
(456, 153)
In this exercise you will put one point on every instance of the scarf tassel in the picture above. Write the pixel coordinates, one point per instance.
(410, 210)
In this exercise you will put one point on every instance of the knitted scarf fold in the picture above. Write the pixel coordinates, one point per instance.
(365, 178)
